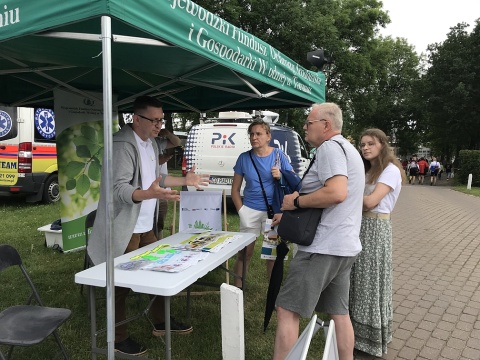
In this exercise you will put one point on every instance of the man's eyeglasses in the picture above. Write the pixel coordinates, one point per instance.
(153, 121)
(308, 123)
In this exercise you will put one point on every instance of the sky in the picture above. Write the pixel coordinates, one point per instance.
(423, 22)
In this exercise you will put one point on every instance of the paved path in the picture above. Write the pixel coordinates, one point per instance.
(436, 289)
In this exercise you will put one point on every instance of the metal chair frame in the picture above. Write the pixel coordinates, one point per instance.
(27, 325)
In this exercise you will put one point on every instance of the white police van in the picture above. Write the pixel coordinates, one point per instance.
(214, 146)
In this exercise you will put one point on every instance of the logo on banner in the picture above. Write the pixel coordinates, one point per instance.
(5, 123)
(88, 102)
(223, 139)
(45, 123)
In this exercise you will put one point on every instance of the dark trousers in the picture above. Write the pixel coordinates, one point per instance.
(157, 311)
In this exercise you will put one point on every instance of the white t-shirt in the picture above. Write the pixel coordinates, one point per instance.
(392, 178)
(148, 164)
(434, 165)
(339, 228)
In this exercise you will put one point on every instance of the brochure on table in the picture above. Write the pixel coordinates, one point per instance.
(176, 258)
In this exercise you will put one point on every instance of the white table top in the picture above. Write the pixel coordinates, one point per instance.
(163, 283)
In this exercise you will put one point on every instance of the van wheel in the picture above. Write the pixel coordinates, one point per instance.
(51, 190)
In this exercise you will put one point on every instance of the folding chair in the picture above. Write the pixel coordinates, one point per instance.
(202, 210)
(89, 221)
(299, 350)
(330, 352)
(27, 325)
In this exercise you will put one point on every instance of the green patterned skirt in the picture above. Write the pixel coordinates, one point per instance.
(371, 288)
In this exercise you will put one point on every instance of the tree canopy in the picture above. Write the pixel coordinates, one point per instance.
(451, 91)
(378, 81)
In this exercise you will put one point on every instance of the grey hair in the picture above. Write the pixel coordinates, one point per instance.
(332, 112)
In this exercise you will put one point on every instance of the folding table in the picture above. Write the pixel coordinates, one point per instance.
(157, 283)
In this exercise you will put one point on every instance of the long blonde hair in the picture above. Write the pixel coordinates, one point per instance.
(385, 157)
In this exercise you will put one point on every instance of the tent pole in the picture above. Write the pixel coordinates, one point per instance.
(108, 173)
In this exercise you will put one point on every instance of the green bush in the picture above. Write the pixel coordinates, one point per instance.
(469, 164)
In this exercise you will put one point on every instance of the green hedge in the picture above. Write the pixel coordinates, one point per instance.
(469, 164)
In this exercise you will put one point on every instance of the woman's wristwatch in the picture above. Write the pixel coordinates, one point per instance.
(295, 202)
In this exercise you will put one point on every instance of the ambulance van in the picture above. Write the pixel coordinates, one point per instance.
(214, 146)
(28, 154)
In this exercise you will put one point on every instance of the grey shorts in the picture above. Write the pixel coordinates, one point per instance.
(317, 282)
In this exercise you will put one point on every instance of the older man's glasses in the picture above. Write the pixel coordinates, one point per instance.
(153, 121)
(308, 123)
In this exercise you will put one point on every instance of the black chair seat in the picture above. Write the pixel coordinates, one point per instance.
(25, 325)
(30, 324)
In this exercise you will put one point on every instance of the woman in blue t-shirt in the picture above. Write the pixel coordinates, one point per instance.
(252, 209)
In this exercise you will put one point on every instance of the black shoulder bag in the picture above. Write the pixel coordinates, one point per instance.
(300, 225)
(269, 207)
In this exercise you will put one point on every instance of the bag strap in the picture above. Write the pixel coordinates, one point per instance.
(259, 179)
(339, 143)
(313, 160)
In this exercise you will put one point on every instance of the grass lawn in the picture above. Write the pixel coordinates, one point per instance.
(53, 273)
(475, 191)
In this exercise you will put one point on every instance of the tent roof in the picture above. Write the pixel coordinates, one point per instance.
(174, 49)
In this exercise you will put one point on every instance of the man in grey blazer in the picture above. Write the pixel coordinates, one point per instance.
(137, 187)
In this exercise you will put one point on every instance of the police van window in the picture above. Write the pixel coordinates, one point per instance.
(8, 124)
(44, 125)
(303, 149)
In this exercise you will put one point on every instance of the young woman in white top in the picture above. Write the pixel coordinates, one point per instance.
(371, 277)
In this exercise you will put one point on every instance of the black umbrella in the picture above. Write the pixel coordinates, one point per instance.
(275, 282)
(289, 183)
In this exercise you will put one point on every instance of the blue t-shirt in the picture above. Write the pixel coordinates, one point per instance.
(252, 194)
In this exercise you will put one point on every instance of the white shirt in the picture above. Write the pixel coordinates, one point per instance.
(434, 165)
(393, 179)
(338, 231)
(148, 164)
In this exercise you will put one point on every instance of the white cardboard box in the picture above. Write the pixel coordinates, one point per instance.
(52, 237)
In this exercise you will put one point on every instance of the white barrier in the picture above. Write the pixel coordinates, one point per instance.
(233, 331)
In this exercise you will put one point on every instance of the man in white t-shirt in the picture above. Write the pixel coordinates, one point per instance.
(319, 275)
(137, 186)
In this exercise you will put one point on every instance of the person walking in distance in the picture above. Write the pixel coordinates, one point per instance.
(434, 169)
(448, 170)
(422, 170)
(412, 169)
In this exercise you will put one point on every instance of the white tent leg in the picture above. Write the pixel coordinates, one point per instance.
(108, 176)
